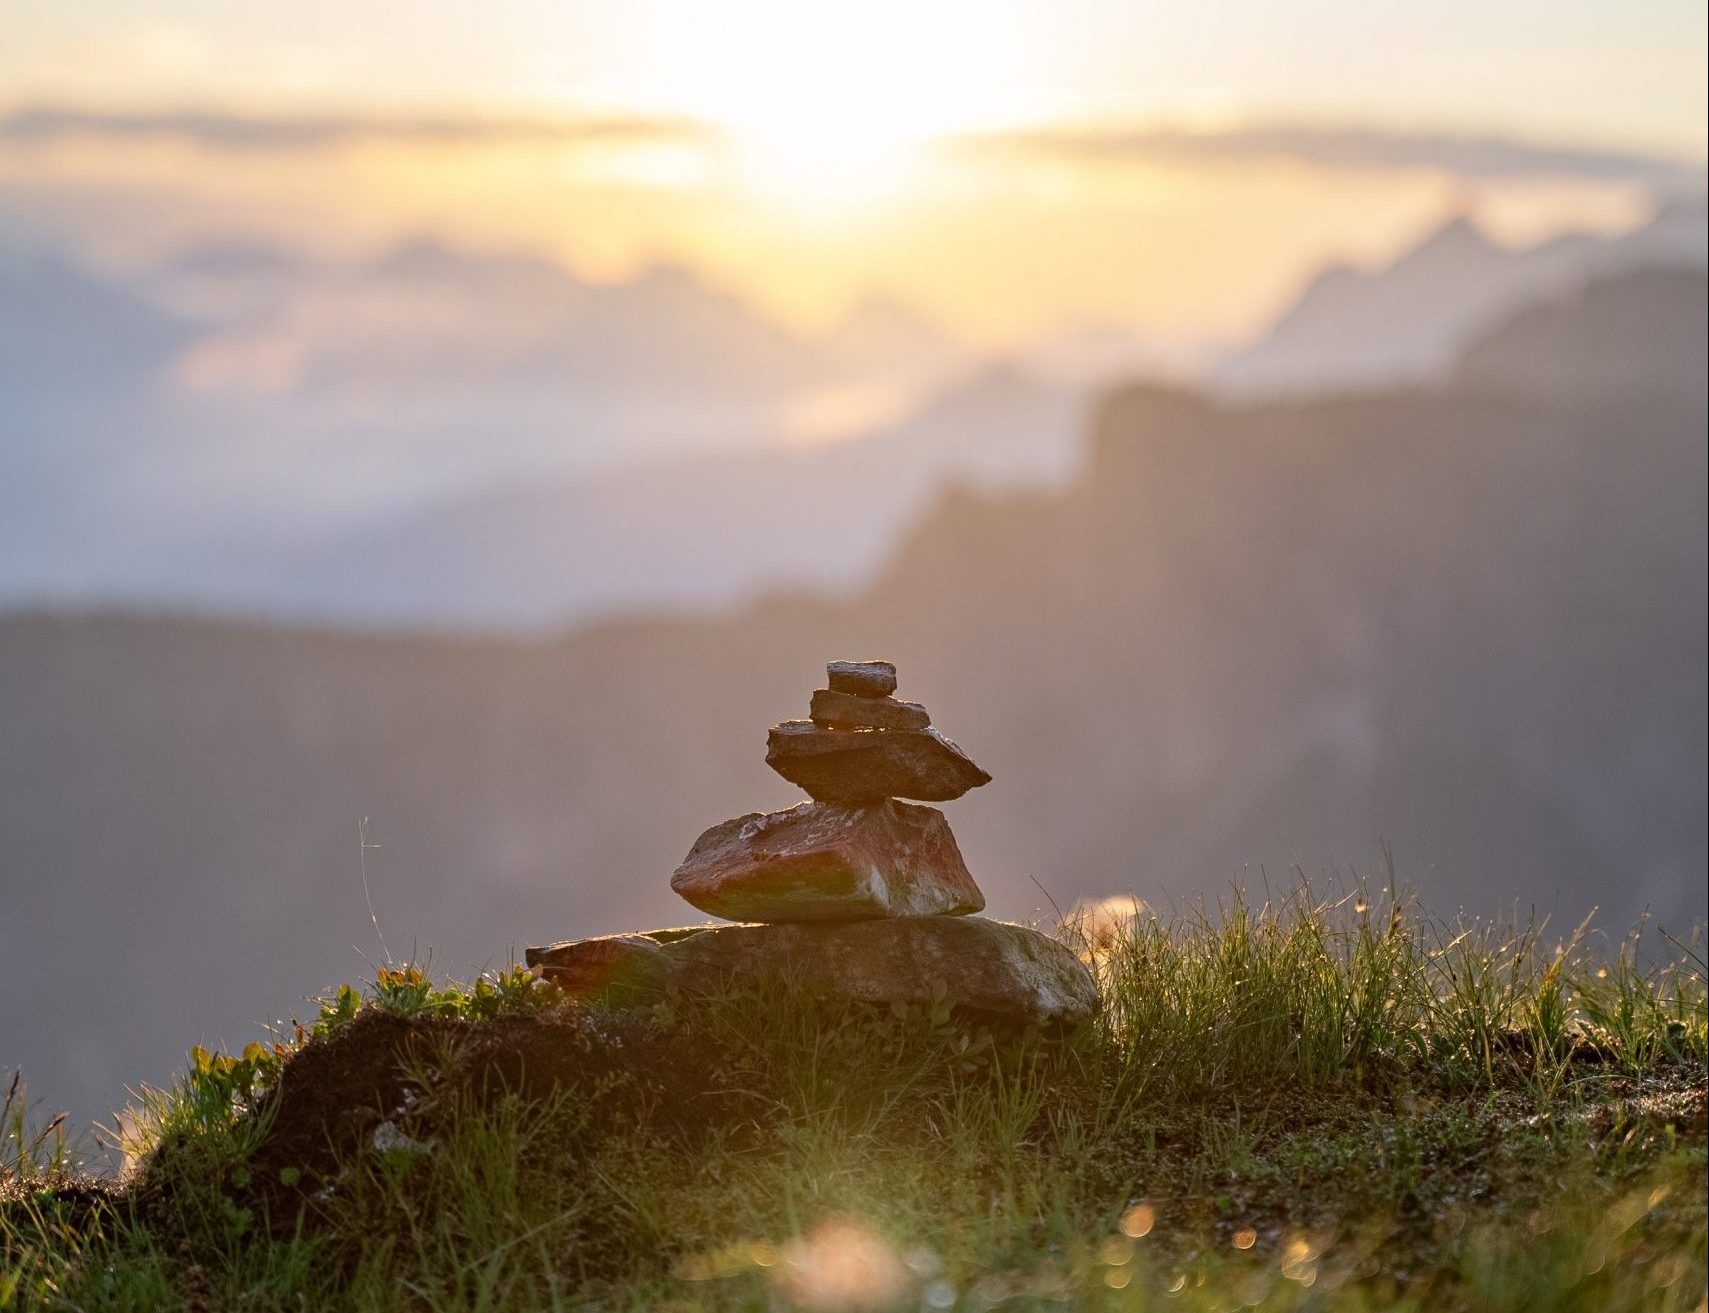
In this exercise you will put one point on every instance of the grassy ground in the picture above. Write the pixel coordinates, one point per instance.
(1300, 1106)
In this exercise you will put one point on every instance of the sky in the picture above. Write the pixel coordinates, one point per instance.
(1009, 169)
(1630, 74)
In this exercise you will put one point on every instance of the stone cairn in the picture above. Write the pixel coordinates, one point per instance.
(854, 894)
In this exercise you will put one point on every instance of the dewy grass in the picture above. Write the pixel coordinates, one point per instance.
(1327, 994)
(29, 1150)
(1300, 1104)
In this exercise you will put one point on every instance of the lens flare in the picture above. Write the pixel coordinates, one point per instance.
(843, 1265)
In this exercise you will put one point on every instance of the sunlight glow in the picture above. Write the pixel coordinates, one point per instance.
(843, 1264)
(831, 105)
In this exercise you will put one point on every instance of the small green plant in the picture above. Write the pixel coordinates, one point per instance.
(219, 1089)
(516, 989)
(335, 1012)
(408, 991)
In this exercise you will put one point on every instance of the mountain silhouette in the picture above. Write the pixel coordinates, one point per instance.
(1409, 321)
(371, 392)
(684, 536)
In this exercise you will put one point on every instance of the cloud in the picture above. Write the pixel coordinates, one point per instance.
(1472, 156)
(1469, 155)
(253, 132)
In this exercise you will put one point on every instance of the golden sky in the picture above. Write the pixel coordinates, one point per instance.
(1011, 169)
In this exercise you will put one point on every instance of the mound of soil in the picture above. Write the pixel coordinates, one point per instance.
(337, 1091)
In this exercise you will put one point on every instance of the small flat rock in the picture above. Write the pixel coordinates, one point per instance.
(828, 861)
(848, 711)
(865, 765)
(591, 966)
(862, 679)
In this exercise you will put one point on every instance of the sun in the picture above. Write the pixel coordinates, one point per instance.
(829, 151)
(833, 102)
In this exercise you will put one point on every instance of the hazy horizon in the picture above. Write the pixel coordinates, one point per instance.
(1175, 177)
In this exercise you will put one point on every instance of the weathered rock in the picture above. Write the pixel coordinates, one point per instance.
(849, 711)
(829, 861)
(866, 679)
(984, 966)
(591, 966)
(990, 968)
(864, 765)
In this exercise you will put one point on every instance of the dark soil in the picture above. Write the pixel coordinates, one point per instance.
(631, 1074)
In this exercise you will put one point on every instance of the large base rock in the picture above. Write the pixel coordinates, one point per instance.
(594, 966)
(826, 861)
(864, 765)
(992, 968)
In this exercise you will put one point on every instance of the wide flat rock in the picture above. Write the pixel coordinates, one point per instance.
(847, 711)
(829, 861)
(991, 968)
(864, 765)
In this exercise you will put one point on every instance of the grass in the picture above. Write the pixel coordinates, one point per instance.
(1337, 1106)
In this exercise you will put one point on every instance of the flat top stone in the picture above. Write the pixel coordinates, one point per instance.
(865, 679)
(863, 765)
(847, 709)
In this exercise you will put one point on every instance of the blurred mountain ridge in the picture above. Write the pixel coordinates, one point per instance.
(368, 389)
(467, 438)
(691, 536)
(1408, 321)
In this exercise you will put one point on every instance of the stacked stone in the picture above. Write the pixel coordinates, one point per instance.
(854, 851)
(855, 893)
